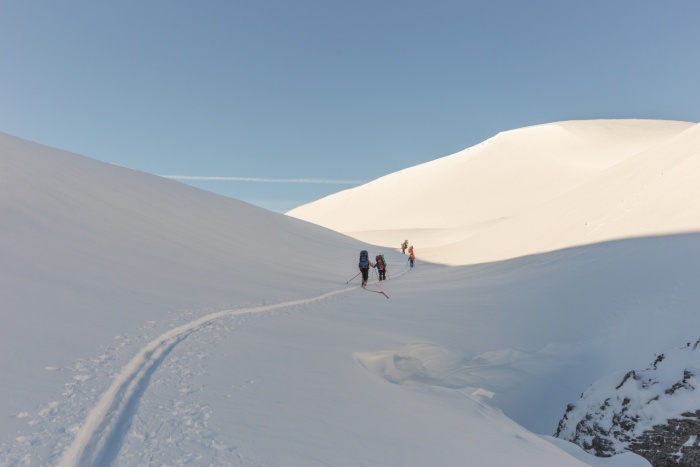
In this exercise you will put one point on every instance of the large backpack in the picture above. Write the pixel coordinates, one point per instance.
(380, 262)
(364, 259)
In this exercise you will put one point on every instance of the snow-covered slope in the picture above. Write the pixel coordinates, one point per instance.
(146, 322)
(106, 243)
(530, 190)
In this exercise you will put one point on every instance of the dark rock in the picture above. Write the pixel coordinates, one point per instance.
(673, 444)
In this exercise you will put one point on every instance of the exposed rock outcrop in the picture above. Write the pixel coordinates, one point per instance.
(672, 444)
(654, 412)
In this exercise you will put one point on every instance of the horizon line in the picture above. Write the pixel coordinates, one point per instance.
(266, 180)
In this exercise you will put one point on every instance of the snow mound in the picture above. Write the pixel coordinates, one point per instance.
(530, 190)
(425, 364)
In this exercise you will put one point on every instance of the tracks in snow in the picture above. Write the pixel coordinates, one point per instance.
(100, 437)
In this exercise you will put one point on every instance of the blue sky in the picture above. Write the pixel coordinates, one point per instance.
(288, 101)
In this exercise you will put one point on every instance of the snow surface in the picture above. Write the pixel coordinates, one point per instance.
(149, 323)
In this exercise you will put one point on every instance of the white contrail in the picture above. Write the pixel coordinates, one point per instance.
(267, 180)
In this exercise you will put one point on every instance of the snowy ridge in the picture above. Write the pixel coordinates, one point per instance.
(531, 190)
(618, 409)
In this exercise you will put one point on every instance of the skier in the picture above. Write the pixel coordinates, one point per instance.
(411, 256)
(364, 266)
(404, 245)
(381, 267)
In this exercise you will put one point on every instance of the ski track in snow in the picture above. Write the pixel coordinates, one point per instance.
(100, 437)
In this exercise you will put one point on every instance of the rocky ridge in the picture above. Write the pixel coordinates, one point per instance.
(653, 412)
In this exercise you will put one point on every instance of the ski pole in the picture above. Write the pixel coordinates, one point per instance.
(353, 277)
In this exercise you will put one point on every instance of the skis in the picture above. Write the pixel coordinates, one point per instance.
(375, 291)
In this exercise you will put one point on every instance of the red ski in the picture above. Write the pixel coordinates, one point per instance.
(375, 291)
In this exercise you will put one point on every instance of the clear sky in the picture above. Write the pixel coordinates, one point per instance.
(289, 101)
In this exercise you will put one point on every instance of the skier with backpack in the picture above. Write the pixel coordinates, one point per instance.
(381, 267)
(411, 256)
(364, 266)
